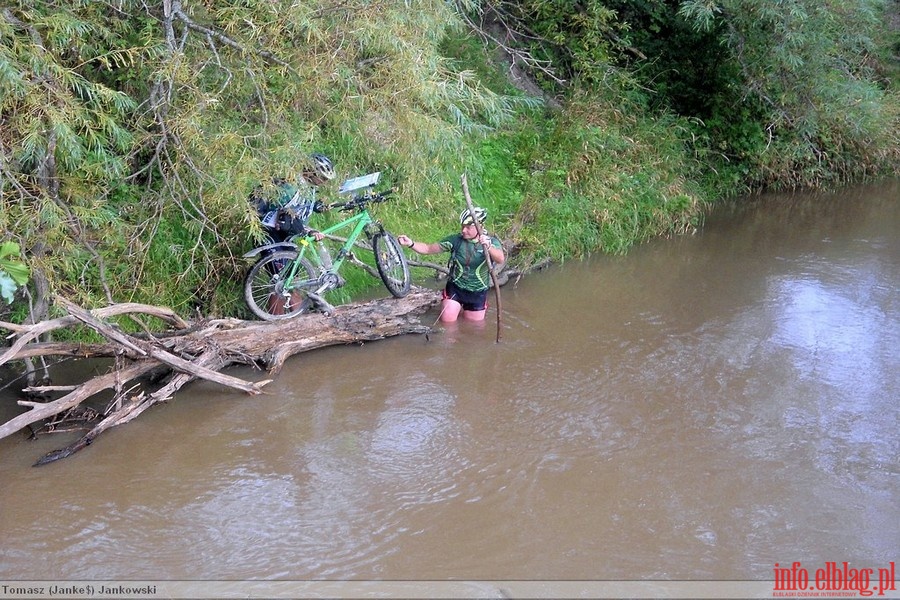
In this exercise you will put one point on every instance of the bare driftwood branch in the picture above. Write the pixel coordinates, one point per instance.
(74, 398)
(127, 411)
(192, 351)
(147, 350)
(27, 333)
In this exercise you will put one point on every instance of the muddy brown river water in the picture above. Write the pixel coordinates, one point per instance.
(700, 409)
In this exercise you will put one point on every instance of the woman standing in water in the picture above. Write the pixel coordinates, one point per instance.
(469, 280)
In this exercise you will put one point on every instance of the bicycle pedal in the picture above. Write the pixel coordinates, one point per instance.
(329, 281)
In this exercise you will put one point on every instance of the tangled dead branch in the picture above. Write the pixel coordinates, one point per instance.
(187, 351)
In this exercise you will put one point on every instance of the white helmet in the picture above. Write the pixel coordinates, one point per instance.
(321, 166)
(466, 218)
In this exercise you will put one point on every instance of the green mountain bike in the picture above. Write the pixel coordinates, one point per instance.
(289, 278)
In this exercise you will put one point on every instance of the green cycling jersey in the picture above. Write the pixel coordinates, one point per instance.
(468, 267)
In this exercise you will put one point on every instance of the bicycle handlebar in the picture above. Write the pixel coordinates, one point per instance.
(359, 202)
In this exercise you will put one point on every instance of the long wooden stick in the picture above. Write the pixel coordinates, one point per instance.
(487, 250)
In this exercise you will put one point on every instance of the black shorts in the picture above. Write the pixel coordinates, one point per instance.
(471, 301)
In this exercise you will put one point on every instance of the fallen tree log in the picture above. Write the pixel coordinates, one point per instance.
(191, 350)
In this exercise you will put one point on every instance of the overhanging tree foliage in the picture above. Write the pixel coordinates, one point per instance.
(133, 131)
(787, 92)
(809, 65)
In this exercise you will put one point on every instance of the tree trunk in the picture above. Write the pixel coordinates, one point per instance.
(188, 351)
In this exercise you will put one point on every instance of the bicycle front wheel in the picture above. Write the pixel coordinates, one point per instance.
(391, 263)
(265, 291)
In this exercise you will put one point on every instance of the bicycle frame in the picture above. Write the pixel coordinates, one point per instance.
(359, 222)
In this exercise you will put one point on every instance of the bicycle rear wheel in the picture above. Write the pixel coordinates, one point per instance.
(391, 263)
(264, 289)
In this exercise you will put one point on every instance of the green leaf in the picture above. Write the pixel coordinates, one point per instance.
(7, 287)
(15, 270)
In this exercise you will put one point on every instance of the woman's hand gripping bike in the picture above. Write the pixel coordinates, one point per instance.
(289, 278)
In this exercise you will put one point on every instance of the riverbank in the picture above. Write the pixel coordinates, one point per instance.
(140, 193)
